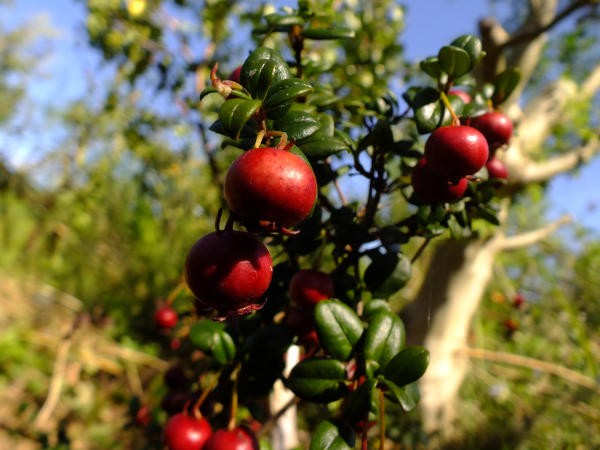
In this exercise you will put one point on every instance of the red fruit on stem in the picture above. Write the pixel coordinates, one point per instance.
(143, 416)
(433, 188)
(466, 98)
(496, 127)
(183, 432)
(519, 300)
(456, 151)
(165, 317)
(270, 184)
(240, 438)
(496, 168)
(229, 270)
(235, 75)
(309, 287)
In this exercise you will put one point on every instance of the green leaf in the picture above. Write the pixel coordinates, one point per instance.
(384, 337)
(457, 230)
(320, 147)
(358, 403)
(428, 109)
(380, 269)
(210, 336)
(298, 125)
(504, 84)
(332, 434)
(282, 94)
(407, 366)
(283, 23)
(407, 396)
(472, 45)
(431, 66)
(454, 61)
(338, 328)
(327, 124)
(327, 33)
(488, 214)
(206, 91)
(266, 60)
(318, 380)
(235, 113)
(374, 307)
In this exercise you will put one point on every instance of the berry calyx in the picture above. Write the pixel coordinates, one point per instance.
(229, 271)
(496, 127)
(433, 188)
(309, 287)
(456, 151)
(165, 317)
(183, 432)
(240, 438)
(269, 184)
(466, 98)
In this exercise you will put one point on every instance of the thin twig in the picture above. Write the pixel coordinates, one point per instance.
(531, 363)
(420, 250)
(272, 421)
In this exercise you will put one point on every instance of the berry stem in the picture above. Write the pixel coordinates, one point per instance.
(259, 138)
(234, 398)
(175, 292)
(208, 390)
(218, 220)
(455, 119)
(381, 420)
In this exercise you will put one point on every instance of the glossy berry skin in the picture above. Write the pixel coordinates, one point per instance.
(456, 151)
(309, 287)
(466, 98)
(165, 317)
(433, 188)
(271, 185)
(496, 127)
(239, 438)
(229, 271)
(496, 168)
(183, 432)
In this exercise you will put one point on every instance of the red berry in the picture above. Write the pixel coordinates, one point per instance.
(496, 168)
(165, 317)
(466, 98)
(519, 300)
(143, 416)
(239, 438)
(229, 270)
(271, 184)
(456, 151)
(510, 324)
(433, 188)
(183, 432)
(496, 127)
(174, 401)
(176, 378)
(309, 287)
(235, 75)
(302, 322)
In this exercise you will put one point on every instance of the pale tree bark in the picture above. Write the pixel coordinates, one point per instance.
(441, 314)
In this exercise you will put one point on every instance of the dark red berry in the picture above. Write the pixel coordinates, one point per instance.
(174, 401)
(183, 432)
(229, 271)
(240, 438)
(519, 300)
(511, 325)
(466, 98)
(309, 287)
(302, 322)
(268, 184)
(456, 151)
(143, 416)
(496, 168)
(496, 127)
(165, 317)
(235, 75)
(433, 188)
(176, 378)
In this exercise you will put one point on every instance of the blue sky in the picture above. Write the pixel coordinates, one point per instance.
(71, 63)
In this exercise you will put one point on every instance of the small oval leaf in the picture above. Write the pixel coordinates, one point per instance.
(320, 147)
(327, 33)
(254, 66)
(318, 380)
(332, 435)
(210, 336)
(234, 114)
(472, 45)
(504, 84)
(338, 328)
(298, 125)
(384, 338)
(407, 366)
(454, 61)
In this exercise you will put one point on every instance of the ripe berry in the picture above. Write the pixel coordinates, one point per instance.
(174, 401)
(229, 270)
(496, 168)
(183, 432)
(519, 300)
(456, 151)
(269, 184)
(433, 188)
(466, 98)
(309, 287)
(175, 377)
(496, 127)
(165, 317)
(239, 438)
